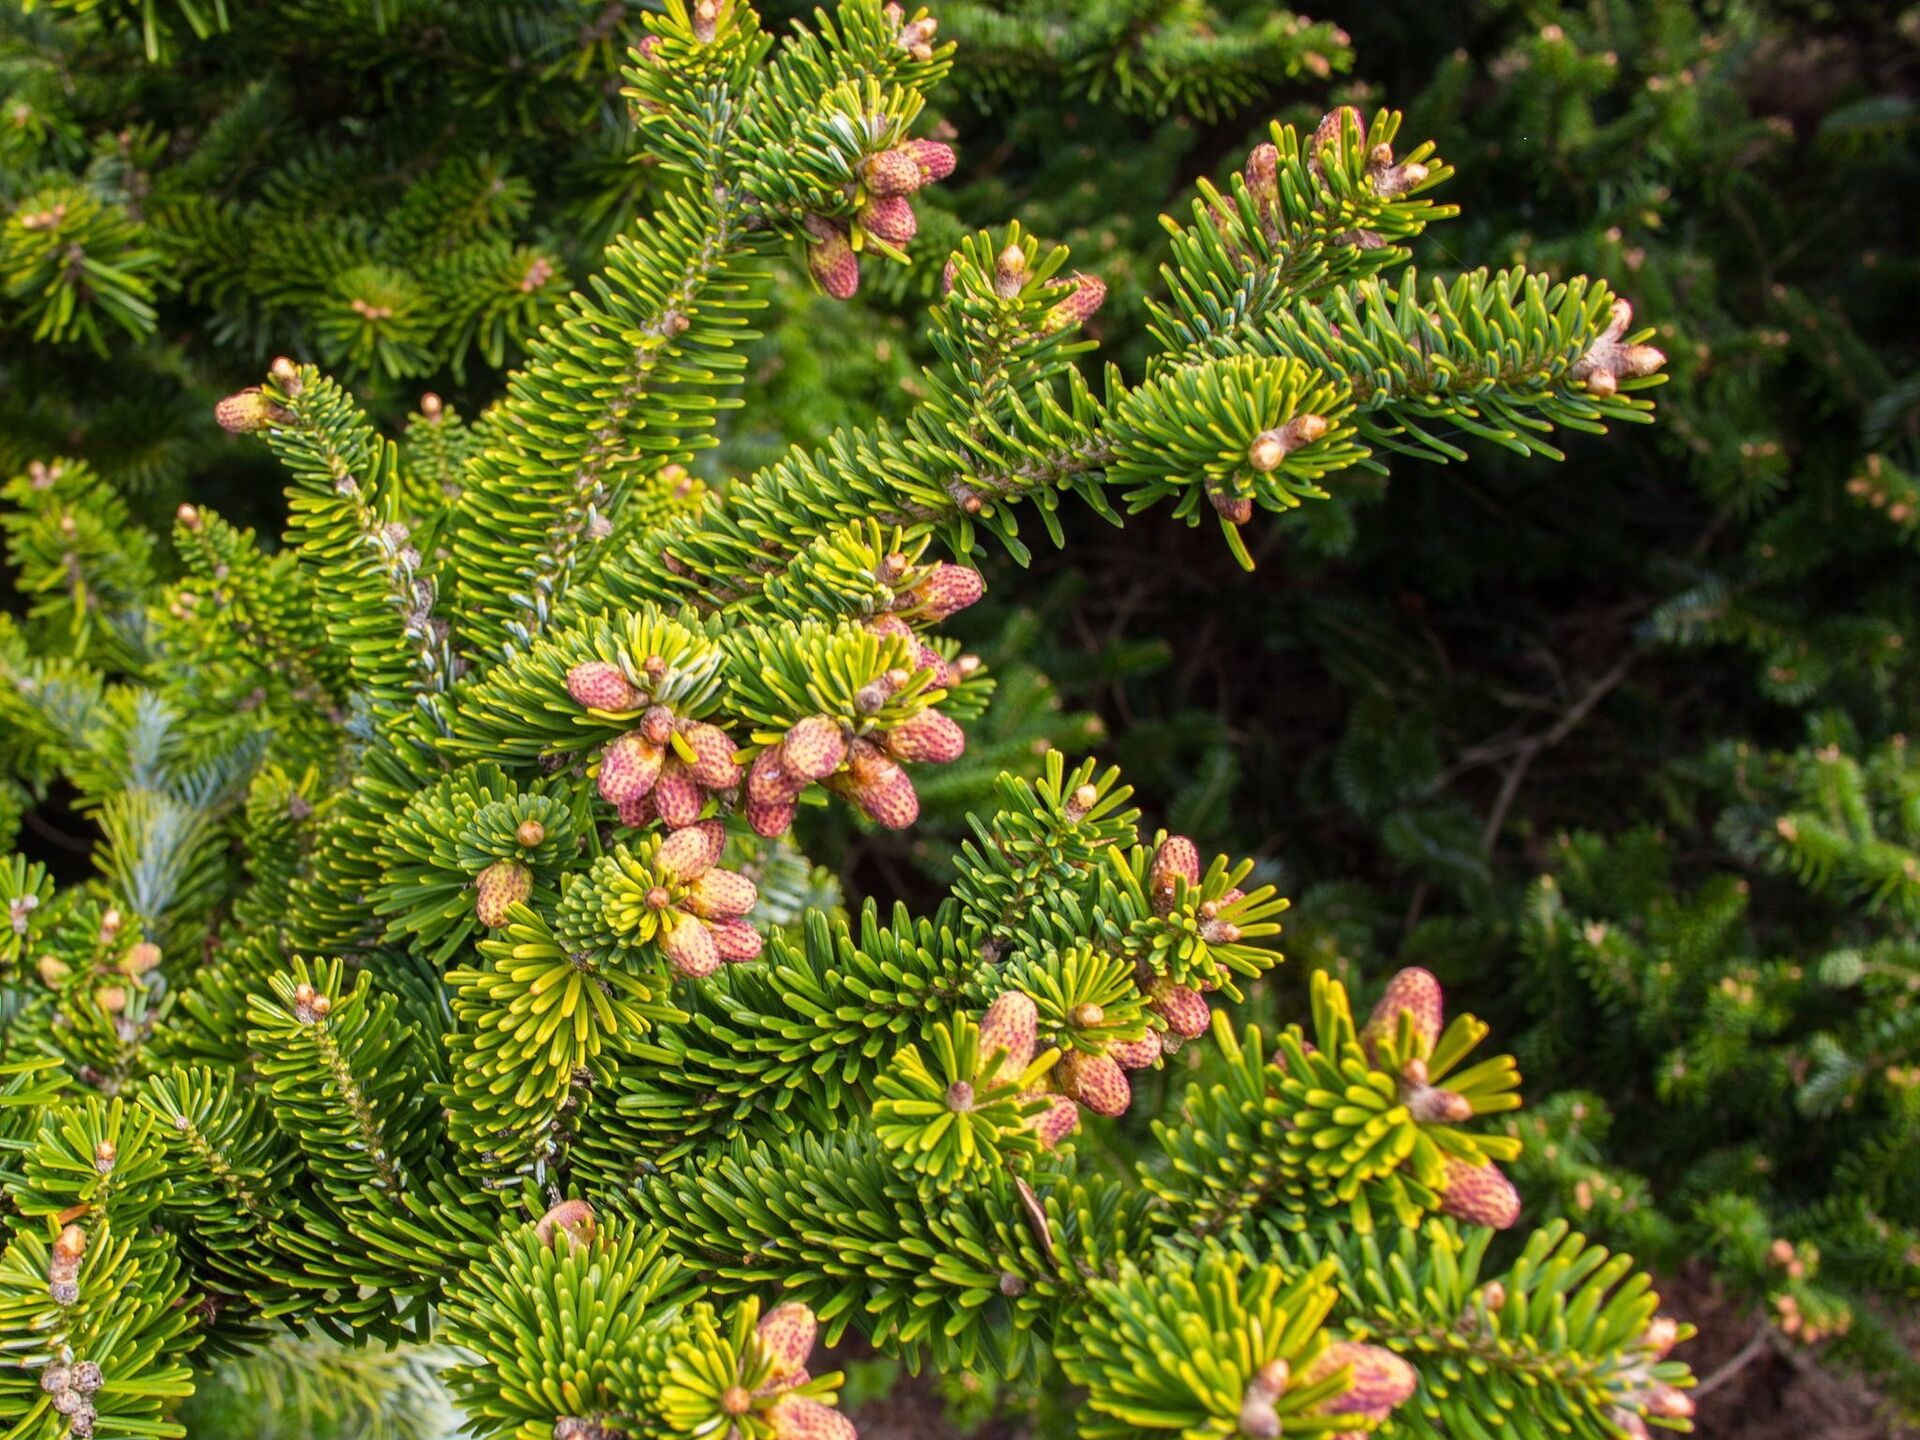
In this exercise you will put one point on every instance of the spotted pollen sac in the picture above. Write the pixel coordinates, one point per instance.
(631, 763)
(1087, 293)
(696, 907)
(928, 738)
(1136, 1054)
(924, 655)
(1012, 1025)
(1011, 1029)
(599, 685)
(782, 1343)
(771, 794)
(785, 1336)
(813, 749)
(878, 786)
(830, 257)
(249, 412)
(1176, 859)
(889, 218)
(1095, 1081)
(697, 764)
(892, 172)
(1413, 992)
(1182, 1007)
(498, 888)
(946, 589)
(1378, 1380)
(1479, 1195)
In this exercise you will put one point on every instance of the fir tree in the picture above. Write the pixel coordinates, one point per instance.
(450, 969)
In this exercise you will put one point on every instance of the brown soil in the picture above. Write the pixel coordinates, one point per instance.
(1780, 1392)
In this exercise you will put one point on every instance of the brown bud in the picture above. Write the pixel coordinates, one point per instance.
(573, 1219)
(530, 833)
(1271, 447)
(1010, 271)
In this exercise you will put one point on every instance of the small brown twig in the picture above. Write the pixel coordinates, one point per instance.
(1530, 749)
(1745, 1356)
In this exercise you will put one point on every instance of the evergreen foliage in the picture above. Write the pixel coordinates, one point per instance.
(449, 971)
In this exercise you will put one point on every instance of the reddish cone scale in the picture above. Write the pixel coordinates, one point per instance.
(677, 797)
(946, 590)
(769, 818)
(892, 172)
(1088, 295)
(891, 219)
(768, 781)
(1053, 1124)
(1135, 1054)
(936, 161)
(1380, 1379)
(831, 260)
(880, 787)
(713, 764)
